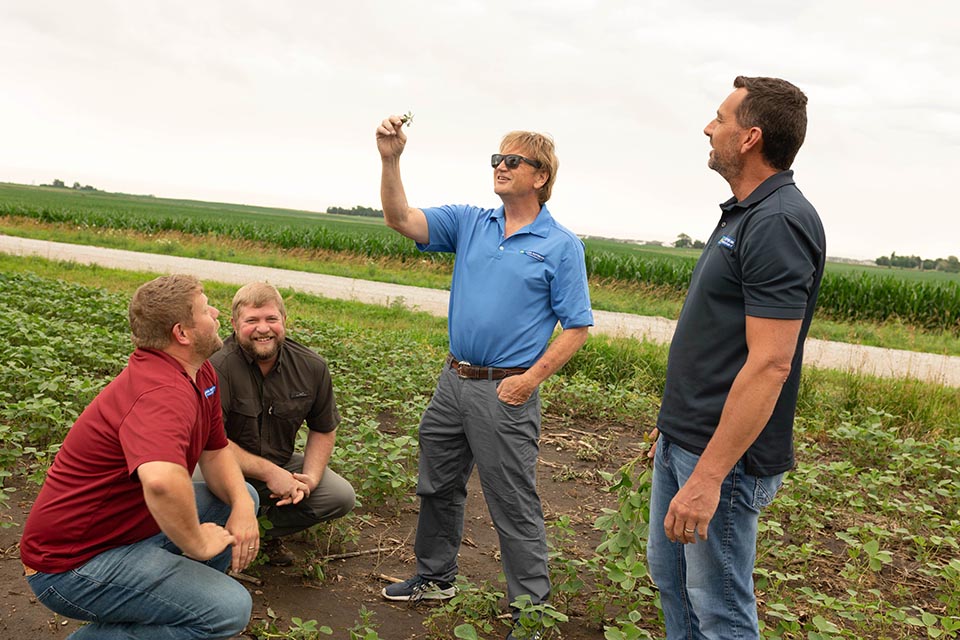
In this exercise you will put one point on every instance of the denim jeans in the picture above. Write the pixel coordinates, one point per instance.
(149, 590)
(706, 588)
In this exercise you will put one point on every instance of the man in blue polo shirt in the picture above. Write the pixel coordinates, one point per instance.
(726, 420)
(518, 272)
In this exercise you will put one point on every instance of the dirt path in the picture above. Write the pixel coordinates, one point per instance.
(819, 353)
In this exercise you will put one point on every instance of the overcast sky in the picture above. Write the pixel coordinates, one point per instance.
(276, 103)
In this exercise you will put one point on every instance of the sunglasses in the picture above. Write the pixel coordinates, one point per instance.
(512, 161)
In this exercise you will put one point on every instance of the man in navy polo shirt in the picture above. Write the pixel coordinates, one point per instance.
(518, 272)
(726, 420)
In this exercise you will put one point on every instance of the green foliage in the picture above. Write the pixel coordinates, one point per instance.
(847, 294)
(298, 629)
(469, 613)
(869, 512)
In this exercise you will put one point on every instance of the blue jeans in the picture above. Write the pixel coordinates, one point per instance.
(706, 589)
(149, 590)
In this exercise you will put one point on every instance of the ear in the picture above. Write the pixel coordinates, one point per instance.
(752, 141)
(179, 335)
(233, 323)
(541, 179)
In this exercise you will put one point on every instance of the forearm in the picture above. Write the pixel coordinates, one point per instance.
(224, 478)
(317, 452)
(397, 213)
(558, 353)
(252, 465)
(172, 504)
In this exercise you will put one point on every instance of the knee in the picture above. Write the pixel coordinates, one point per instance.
(346, 501)
(233, 612)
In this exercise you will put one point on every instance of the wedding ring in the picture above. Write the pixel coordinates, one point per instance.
(689, 530)
(251, 548)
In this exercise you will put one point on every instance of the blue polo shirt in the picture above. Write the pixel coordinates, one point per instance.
(508, 294)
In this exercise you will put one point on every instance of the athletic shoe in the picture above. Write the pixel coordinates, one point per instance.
(419, 588)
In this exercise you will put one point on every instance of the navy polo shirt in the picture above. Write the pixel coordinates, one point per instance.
(765, 259)
(508, 294)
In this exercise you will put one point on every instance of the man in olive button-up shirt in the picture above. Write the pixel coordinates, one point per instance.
(269, 386)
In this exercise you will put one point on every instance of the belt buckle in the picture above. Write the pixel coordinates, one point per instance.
(460, 366)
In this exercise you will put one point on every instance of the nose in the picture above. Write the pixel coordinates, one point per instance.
(708, 130)
(214, 312)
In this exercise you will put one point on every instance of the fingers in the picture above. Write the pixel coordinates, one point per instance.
(390, 126)
(652, 437)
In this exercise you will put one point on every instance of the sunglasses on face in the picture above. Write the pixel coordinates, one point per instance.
(512, 161)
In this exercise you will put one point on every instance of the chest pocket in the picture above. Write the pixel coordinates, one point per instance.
(243, 423)
(285, 419)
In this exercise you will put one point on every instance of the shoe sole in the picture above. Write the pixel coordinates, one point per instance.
(443, 594)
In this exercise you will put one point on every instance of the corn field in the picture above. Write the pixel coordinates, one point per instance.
(844, 297)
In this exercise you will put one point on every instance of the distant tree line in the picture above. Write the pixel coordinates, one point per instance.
(357, 211)
(949, 264)
(60, 184)
(684, 241)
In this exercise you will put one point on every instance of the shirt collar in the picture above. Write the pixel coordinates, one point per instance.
(764, 189)
(540, 226)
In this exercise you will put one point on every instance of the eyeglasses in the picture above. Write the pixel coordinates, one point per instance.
(512, 161)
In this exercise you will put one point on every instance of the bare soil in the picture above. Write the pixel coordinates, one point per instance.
(571, 455)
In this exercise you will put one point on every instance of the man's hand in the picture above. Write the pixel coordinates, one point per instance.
(213, 540)
(390, 137)
(652, 439)
(308, 481)
(515, 390)
(287, 487)
(242, 526)
(691, 510)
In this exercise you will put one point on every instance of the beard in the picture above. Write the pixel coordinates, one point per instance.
(261, 351)
(208, 345)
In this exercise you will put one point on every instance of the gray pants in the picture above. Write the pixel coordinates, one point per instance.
(466, 424)
(333, 498)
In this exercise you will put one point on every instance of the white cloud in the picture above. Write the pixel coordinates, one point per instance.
(277, 103)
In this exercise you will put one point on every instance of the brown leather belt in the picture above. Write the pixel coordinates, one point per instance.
(470, 372)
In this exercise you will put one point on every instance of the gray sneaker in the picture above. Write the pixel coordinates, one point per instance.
(419, 588)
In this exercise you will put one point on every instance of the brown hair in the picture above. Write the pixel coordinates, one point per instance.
(256, 295)
(779, 109)
(160, 304)
(539, 147)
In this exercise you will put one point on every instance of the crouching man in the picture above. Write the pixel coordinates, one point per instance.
(120, 536)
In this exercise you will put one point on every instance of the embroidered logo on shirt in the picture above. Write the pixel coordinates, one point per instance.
(726, 241)
(298, 394)
(209, 392)
(533, 254)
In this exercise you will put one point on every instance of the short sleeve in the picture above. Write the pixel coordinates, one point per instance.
(157, 428)
(779, 265)
(323, 415)
(444, 226)
(569, 291)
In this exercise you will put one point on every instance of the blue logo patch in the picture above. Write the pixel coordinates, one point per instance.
(726, 241)
(209, 392)
(533, 254)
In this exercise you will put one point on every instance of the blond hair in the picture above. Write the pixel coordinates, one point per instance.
(256, 295)
(157, 306)
(539, 147)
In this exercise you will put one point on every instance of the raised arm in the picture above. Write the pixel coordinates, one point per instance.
(398, 215)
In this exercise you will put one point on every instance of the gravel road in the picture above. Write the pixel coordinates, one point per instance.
(819, 353)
